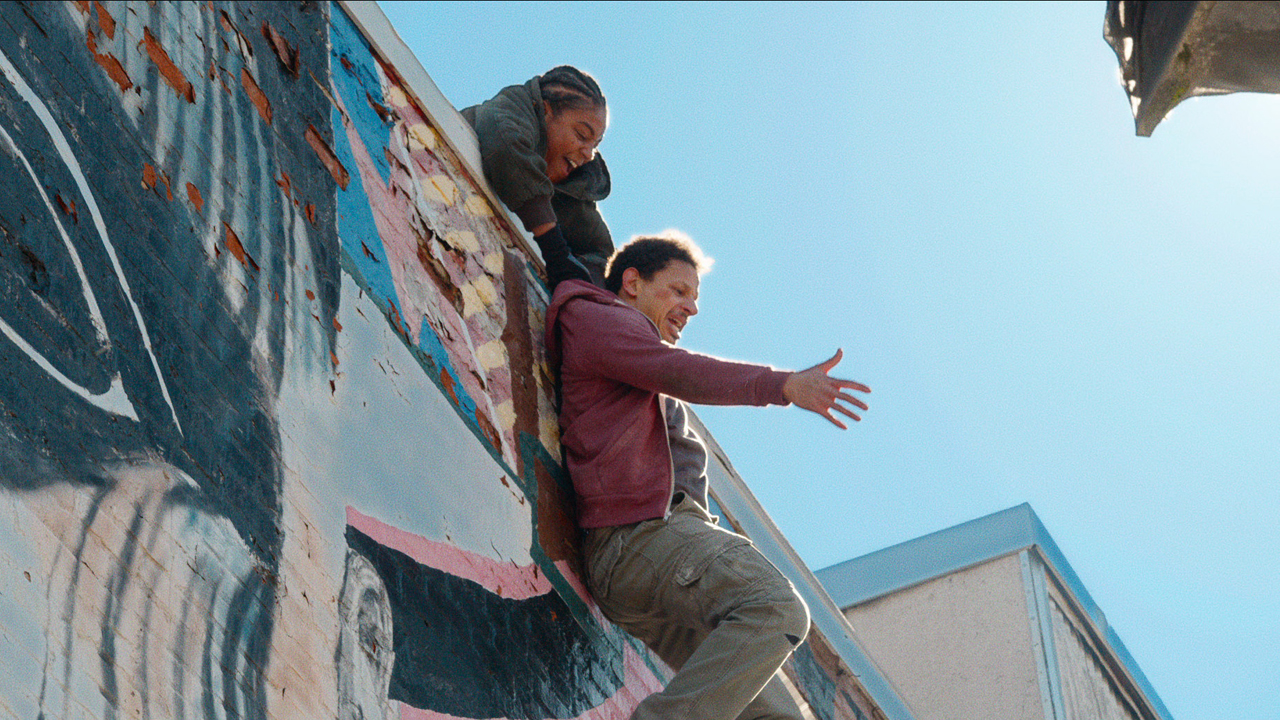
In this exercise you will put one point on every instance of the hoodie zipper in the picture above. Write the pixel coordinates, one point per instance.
(671, 463)
(662, 410)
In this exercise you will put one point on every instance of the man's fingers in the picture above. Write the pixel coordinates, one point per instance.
(814, 389)
(852, 400)
(851, 385)
(846, 411)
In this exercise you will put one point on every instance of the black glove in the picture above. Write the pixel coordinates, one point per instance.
(561, 265)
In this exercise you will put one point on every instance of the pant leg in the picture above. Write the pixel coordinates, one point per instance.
(773, 703)
(706, 601)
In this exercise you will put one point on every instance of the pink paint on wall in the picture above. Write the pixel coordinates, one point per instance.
(424, 299)
(505, 579)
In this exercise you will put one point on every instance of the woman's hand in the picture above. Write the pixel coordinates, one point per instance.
(561, 264)
(818, 392)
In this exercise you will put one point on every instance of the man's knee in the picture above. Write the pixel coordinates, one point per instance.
(771, 589)
(795, 618)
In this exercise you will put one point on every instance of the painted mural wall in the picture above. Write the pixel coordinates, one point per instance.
(276, 425)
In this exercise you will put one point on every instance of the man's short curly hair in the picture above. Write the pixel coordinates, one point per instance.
(649, 254)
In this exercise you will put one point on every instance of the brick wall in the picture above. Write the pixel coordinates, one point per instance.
(276, 435)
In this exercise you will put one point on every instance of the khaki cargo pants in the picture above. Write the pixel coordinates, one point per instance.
(709, 604)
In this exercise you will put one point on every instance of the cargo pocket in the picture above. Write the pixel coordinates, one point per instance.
(603, 561)
(601, 564)
(694, 564)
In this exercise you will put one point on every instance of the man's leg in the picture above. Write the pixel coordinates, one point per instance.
(773, 703)
(707, 602)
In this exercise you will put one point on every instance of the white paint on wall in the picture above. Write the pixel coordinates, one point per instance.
(387, 442)
(117, 402)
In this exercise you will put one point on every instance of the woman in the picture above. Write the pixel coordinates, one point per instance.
(537, 148)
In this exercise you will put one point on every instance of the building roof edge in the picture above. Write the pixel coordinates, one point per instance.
(898, 567)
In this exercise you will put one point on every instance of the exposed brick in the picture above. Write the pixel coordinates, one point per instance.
(303, 336)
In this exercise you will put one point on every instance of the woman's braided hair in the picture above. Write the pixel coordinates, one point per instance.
(567, 87)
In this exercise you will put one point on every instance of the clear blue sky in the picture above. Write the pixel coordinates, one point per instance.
(1048, 308)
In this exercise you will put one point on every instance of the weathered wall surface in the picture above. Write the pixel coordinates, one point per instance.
(276, 428)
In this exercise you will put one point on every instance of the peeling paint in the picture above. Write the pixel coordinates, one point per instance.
(256, 96)
(236, 248)
(327, 158)
(242, 43)
(105, 21)
(285, 53)
(68, 207)
(152, 179)
(109, 63)
(193, 194)
(170, 72)
(440, 275)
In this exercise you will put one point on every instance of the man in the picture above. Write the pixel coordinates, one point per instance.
(704, 599)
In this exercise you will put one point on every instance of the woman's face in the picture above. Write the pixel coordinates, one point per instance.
(572, 137)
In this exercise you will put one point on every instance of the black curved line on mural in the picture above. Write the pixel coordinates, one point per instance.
(465, 651)
(223, 393)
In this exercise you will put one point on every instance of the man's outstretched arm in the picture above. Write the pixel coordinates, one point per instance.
(818, 392)
(623, 346)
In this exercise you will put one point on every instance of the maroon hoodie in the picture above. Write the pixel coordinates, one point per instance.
(613, 367)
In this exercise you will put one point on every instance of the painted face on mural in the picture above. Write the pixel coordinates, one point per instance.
(572, 137)
(669, 298)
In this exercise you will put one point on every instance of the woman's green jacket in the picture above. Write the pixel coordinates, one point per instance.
(513, 141)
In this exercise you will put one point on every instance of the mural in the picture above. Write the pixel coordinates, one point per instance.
(149, 255)
(276, 426)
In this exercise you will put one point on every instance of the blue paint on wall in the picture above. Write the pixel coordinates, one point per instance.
(354, 77)
(355, 74)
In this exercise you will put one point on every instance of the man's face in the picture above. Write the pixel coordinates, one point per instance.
(669, 298)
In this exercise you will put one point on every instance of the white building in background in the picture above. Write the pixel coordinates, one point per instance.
(987, 621)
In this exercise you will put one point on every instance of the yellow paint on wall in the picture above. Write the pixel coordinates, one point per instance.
(549, 431)
(395, 96)
(505, 414)
(422, 137)
(463, 240)
(439, 188)
(471, 303)
(492, 354)
(493, 263)
(478, 206)
(485, 290)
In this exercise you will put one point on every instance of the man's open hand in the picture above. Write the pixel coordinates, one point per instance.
(818, 392)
